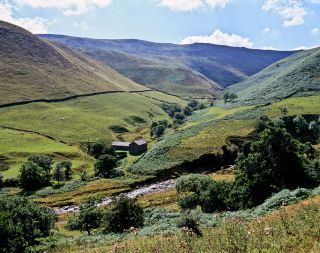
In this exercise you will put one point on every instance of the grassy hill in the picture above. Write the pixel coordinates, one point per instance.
(296, 75)
(32, 68)
(201, 69)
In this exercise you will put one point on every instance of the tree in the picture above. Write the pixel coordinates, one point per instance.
(58, 174)
(67, 165)
(179, 116)
(44, 162)
(89, 217)
(22, 222)
(193, 104)
(187, 111)
(82, 172)
(104, 165)
(229, 97)
(32, 177)
(123, 214)
(272, 163)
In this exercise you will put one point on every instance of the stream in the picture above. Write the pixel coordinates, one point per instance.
(153, 188)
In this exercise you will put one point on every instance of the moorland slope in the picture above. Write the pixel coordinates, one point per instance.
(32, 68)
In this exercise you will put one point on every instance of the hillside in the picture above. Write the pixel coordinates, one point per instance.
(202, 69)
(32, 68)
(293, 76)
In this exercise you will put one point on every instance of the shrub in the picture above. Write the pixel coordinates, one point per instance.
(188, 200)
(190, 224)
(123, 214)
(216, 198)
(190, 188)
(104, 165)
(32, 177)
(193, 104)
(22, 222)
(229, 97)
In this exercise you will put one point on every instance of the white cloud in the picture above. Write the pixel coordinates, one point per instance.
(82, 24)
(190, 5)
(67, 7)
(34, 25)
(305, 47)
(315, 30)
(220, 38)
(270, 31)
(291, 11)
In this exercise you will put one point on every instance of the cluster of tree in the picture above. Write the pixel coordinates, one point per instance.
(106, 160)
(158, 128)
(22, 223)
(37, 173)
(229, 97)
(272, 162)
(123, 214)
(305, 129)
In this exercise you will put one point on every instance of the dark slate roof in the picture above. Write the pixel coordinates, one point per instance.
(140, 142)
(121, 144)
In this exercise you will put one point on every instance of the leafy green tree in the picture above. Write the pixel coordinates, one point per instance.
(193, 104)
(123, 214)
(89, 217)
(58, 174)
(104, 165)
(32, 177)
(44, 162)
(273, 162)
(97, 149)
(22, 222)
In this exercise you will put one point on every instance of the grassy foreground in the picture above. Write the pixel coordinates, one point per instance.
(293, 228)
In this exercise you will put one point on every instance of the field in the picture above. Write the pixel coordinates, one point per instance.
(17, 146)
(89, 118)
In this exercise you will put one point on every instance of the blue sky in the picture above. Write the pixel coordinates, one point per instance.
(278, 24)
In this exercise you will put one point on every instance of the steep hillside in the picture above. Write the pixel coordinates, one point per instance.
(172, 68)
(296, 75)
(31, 68)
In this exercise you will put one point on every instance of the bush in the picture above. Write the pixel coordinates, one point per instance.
(179, 116)
(229, 97)
(22, 222)
(216, 198)
(193, 104)
(190, 188)
(190, 224)
(104, 165)
(32, 177)
(188, 200)
(123, 214)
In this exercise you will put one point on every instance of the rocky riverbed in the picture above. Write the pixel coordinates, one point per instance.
(153, 188)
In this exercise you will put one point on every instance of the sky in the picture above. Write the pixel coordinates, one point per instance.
(263, 24)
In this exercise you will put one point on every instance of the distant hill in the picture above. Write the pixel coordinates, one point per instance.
(296, 75)
(196, 70)
(32, 68)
